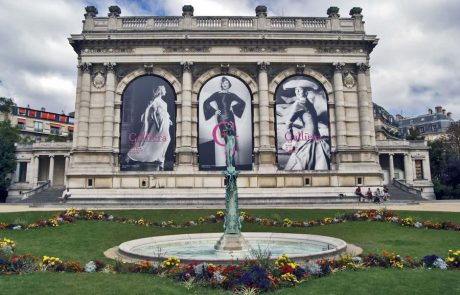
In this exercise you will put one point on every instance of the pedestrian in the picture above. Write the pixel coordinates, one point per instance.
(65, 196)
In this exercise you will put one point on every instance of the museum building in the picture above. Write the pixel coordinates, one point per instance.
(156, 95)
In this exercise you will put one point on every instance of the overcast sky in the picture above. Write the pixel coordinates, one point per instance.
(415, 66)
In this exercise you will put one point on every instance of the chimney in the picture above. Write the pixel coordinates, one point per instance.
(438, 109)
(449, 115)
(430, 112)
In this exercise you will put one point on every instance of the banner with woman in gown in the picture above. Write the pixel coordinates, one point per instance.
(302, 125)
(148, 125)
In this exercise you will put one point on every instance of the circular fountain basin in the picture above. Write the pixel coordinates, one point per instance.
(200, 247)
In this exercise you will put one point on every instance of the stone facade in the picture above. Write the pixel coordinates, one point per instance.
(187, 52)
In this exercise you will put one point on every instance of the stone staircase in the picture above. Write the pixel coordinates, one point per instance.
(48, 196)
(397, 194)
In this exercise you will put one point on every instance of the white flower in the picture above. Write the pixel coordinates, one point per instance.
(90, 267)
(110, 218)
(439, 263)
(17, 227)
(418, 225)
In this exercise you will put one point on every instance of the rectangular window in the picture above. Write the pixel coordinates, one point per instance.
(307, 181)
(90, 182)
(22, 171)
(55, 130)
(359, 180)
(418, 169)
(70, 120)
(433, 127)
(38, 126)
(21, 125)
(422, 129)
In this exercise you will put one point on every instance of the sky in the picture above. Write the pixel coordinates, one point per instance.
(415, 66)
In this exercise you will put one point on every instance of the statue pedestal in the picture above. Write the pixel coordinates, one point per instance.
(229, 242)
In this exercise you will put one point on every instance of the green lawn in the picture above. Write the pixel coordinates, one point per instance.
(87, 240)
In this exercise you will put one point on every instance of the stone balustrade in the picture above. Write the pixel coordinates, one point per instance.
(45, 146)
(401, 143)
(158, 23)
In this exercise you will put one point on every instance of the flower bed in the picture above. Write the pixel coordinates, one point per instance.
(259, 275)
(382, 215)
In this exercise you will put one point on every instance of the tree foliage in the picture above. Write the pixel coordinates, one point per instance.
(414, 134)
(6, 104)
(445, 163)
(8, 137)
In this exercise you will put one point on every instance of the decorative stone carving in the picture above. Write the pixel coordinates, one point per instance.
(123, 50)
(99, 80)
(91, 11)
(348, 79)
(362, 67)
(258, 49)
(86, 67)
(338, 66)
(186, 49)
(356, 11)
(261, 11)
(114, 11)
(148, 69)
(339, 50)
(187, 66)
(333, 11)
(263, 66)
(224, 68)
(300, 69)
(187, 10)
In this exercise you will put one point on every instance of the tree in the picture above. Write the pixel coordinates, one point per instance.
(414, 134)
(8, 137)
(453, 137)
(6, 104)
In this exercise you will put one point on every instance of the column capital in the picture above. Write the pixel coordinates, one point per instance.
(362, 67)
(51, 156)
(110, 66)
(187, 66)
(262, 66)
(85, 67)
(338, 67)
(391, 154)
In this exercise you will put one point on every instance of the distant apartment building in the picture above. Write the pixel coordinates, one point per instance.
(41, 158)
(431, 125)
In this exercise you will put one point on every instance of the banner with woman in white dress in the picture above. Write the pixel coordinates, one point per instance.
(148, 125)
(302, 125)
(224, 102)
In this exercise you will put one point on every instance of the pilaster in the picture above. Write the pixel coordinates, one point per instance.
(109, 102)
(364, 122)
(341, 128)
(84, 106)
(185, 151)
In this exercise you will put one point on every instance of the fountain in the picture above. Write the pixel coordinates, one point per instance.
(233, 244)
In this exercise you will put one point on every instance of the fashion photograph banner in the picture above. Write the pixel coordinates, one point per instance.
(224, 102)
(148, 129)
(302, 125)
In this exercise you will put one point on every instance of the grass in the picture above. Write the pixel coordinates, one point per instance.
(87, 240)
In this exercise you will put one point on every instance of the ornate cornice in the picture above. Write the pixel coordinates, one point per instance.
(186, 49)
(263, 49)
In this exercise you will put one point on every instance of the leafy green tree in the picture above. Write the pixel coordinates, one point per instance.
(414, 134)
(8, 137)
(6, 104)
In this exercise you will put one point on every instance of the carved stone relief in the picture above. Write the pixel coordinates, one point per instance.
(348, 79)
(99, 80)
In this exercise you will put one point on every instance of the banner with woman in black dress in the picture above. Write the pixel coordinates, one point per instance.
(302, 125)
(224, 102)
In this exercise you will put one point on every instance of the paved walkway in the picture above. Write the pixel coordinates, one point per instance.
(441, 206)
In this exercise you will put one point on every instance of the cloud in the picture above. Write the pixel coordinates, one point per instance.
(414, 67)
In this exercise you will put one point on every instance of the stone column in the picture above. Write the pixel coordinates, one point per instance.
(364, 125)
(341, 128)
(51, 171)
(371, 107)
(116, 128)
(185, 151)
(66, 168)
(107, 139)
(266, 152)
(16, 174)
(426, 168)
(84, 106)
(408, 169)
(77, 107)
(36, 164)
(392, 168)
(264, 112)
